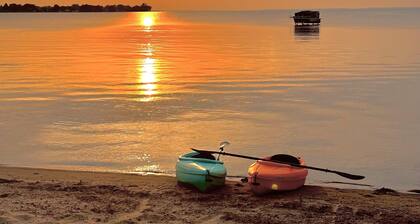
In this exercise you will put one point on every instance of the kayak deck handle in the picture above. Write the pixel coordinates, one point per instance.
(254, 179)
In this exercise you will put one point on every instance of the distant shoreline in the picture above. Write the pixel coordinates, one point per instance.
(31, 8)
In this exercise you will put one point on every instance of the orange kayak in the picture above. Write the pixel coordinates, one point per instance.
(265, 176)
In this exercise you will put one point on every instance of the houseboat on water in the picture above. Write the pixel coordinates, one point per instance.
(307, 18)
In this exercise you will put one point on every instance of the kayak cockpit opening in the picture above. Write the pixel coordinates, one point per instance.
(204, 156)
(285, 158)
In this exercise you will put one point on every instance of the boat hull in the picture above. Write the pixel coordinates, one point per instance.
(265, 177)
(302, 20)
(203, 174)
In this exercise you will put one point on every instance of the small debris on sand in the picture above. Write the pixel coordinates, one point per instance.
(387, 191)
(415, 191)
(7, 181)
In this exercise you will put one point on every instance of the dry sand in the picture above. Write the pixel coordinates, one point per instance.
(51, 196)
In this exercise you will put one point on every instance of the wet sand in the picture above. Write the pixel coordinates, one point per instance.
(52, 196)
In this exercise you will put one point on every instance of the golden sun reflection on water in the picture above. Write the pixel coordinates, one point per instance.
(147, 66)
(148, 50)
(147, 78)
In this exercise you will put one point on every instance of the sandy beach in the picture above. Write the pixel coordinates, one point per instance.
(54, 196)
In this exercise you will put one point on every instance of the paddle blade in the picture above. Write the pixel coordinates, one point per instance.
(223, 144)
(350, 176)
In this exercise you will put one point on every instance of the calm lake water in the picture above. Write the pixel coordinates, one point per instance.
(129, 92)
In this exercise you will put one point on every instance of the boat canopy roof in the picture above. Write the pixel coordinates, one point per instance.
(307, 13)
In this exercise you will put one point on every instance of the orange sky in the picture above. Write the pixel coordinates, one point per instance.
(238, 4)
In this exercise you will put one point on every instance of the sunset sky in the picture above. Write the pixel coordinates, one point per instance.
(238, 4)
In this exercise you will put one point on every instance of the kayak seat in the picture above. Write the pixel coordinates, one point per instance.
(285, 158)
(204, 156)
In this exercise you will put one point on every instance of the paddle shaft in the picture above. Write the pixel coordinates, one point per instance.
(286, 163)
(347, 175)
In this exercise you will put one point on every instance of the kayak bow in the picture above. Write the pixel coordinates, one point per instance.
(200, 170)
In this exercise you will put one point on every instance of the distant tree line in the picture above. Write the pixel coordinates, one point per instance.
(74, 8)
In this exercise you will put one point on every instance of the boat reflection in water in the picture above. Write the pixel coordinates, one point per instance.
(306, 32)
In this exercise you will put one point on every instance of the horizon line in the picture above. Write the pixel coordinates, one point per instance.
(232, 10)
(277, 9)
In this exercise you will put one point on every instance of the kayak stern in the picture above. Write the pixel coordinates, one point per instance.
(265, 177)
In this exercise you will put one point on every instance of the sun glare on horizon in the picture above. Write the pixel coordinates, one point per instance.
(148, 21)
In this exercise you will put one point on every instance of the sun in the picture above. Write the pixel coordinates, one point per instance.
(148, 21)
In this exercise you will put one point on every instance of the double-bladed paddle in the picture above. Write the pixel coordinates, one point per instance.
(346, 175)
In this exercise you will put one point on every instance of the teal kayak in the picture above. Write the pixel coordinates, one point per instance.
(202, 171)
